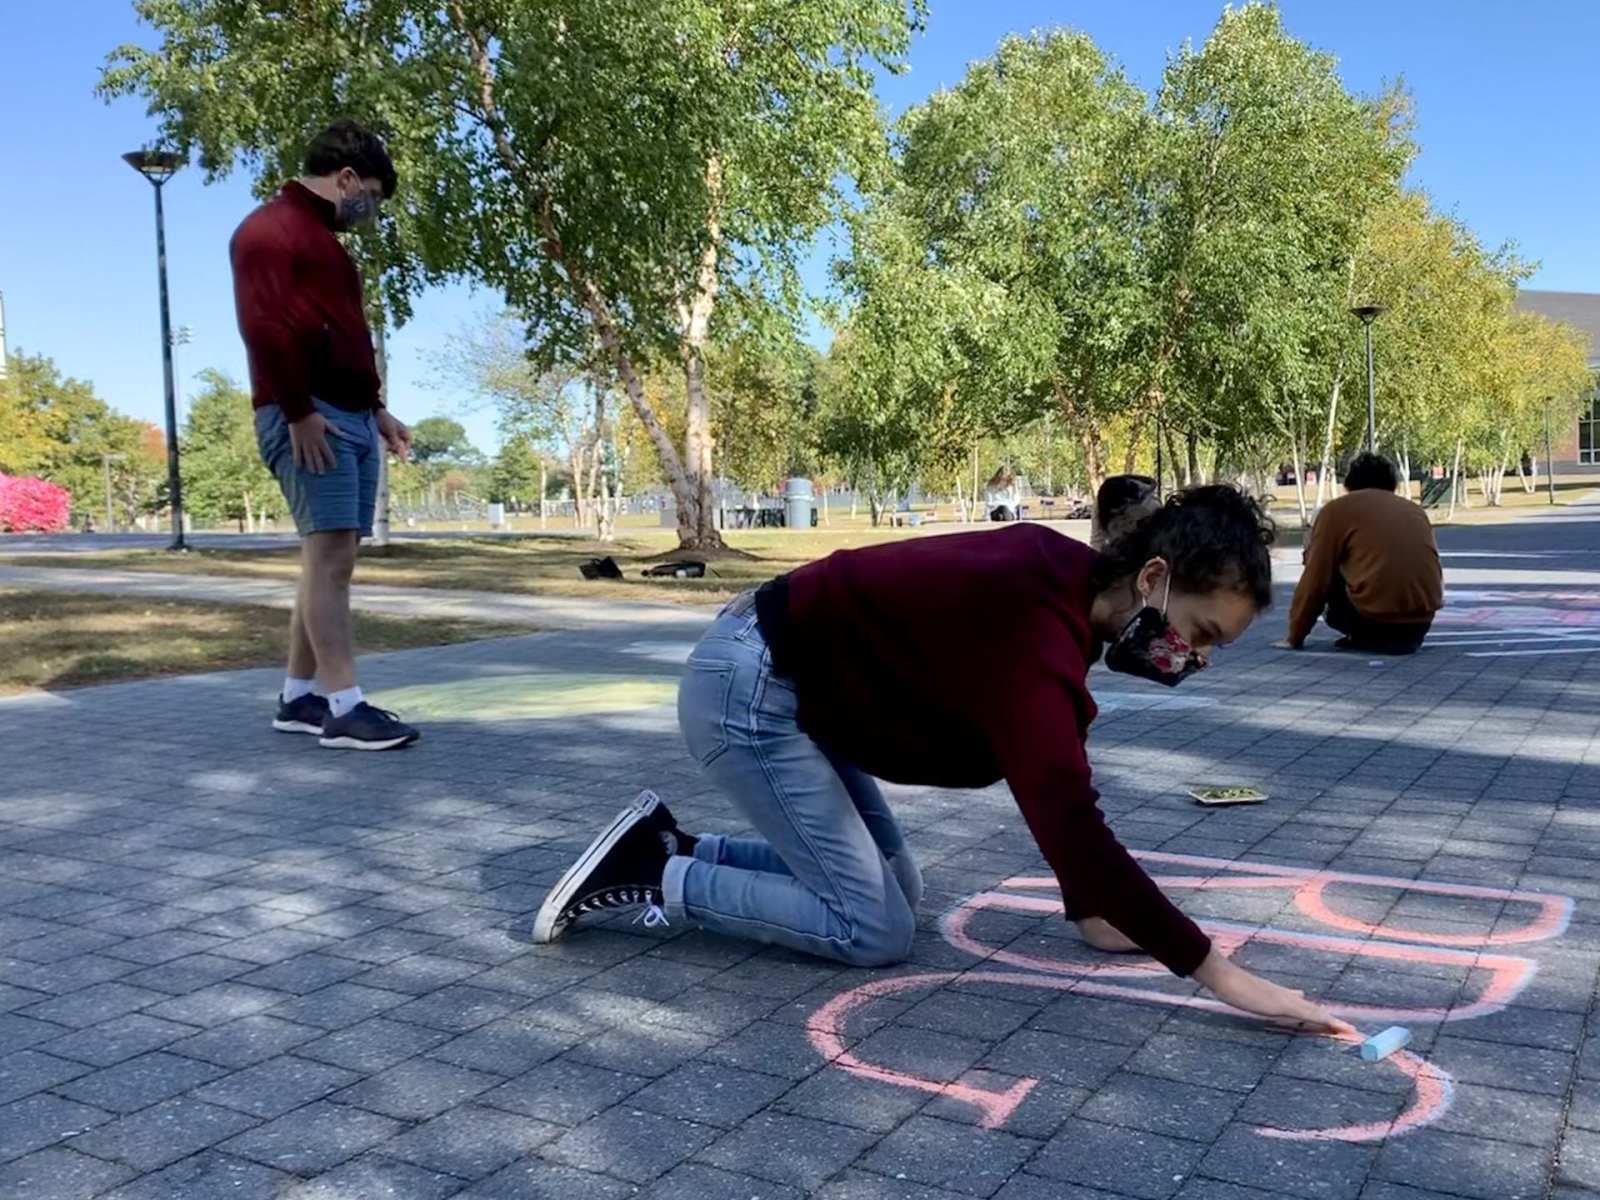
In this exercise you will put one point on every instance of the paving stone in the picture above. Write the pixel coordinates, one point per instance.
(508, 1046)
(271, 1088)
(1323, 1170)
(795, 1151)
(338, 1005)
(57, 1174)
(315, 1138)
(631, 1143)
(43, 1120)
(1286, 1103)
(471, 1141)
(1578, 1160)
(710, 1094)
(188, 974)
(866, 1185)
(163, 1133)
(458, 1008)
(535, 1179)
(418, 974)
(374, 1177)
(302, 973)
(116, 1040)
(650, 1051)
(563, 1092)
(695, 1181)
(18, 1032)
(766, 1046)
(418, 1089)
(245, 1042)
(1516, 1067)
(138, 1082)
(1210, 1063)
(371, 1045)
(1067, 1061)
(1133, 1162)
(1161, 1106)
(1465, 1166)
(93, 1005)
(216, 1004)
(1501, 1114)
(959, 1158)
(29, 1071)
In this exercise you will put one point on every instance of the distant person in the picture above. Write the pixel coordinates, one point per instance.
(1371, 564)
(320, 423)
(1120, 504)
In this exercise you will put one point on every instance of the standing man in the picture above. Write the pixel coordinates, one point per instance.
(320, 421)
(1372, 564)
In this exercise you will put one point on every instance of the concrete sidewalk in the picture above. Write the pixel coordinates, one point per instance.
(544, 612)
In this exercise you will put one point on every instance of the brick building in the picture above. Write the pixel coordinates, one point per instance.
(1578, 445)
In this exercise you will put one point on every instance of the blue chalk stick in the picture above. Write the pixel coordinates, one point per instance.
(1381, 1045)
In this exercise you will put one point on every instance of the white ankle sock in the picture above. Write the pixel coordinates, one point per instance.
(294, 688)
(342, 702)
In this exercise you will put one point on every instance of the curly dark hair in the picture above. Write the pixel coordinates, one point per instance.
(347, 144)
(1210, 537)
(1370, 470)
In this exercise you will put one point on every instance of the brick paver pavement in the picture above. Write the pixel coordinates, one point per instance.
(234, 964)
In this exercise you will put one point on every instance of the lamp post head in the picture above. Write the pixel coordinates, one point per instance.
(1367, 312)
(157, 166)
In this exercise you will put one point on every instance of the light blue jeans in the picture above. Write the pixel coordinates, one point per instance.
(830, 874)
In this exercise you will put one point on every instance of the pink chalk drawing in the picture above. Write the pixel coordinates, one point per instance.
(1538, 917)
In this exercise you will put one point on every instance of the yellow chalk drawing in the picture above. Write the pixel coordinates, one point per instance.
(533, 696)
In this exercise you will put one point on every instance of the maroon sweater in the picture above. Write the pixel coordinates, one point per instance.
(959, 660)
(300, 308)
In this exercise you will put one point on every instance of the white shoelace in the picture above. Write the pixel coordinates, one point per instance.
(653, 916)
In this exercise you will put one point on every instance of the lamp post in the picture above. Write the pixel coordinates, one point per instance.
(158, 166)
(1368, 313)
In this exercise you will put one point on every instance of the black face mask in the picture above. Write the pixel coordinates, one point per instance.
(1152, 649)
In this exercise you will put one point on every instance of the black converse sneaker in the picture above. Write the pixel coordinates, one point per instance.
(660, 818)
(622, 868)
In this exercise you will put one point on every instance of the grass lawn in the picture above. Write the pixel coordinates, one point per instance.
(532, 565)
(540, 565)
(68, 639)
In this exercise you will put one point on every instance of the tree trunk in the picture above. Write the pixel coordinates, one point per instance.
(1455, 479)
(1325, 468)
(1130, 456)
(1191, 447)
(1174, 458)
(961, 499)
(1405, 467)
(1093, 456)
(1297, 455)
(544, 490)
(875, 504)
(825, 520)
(580, 509)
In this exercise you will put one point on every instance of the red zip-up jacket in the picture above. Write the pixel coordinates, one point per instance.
(301, 309)
(958, 660)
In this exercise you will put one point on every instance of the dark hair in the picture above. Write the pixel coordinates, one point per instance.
(346, 144)
(1210, 538)
(1118, 493)
(1369, 470)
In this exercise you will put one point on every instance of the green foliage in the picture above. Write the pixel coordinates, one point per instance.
(223, 476)
(58, 429)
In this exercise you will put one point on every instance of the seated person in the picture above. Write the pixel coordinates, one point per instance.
(1120, 504)
(1371, 564)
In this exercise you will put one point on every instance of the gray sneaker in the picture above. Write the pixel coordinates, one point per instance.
(367, 727)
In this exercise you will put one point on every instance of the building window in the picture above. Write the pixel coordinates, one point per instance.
(1589, 430)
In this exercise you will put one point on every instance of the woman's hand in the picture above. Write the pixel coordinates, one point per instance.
(1103, 935)
(1235, 986)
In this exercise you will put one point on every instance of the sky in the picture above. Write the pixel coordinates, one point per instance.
(1505, 99)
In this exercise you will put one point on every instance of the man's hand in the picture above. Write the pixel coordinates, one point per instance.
(1235, 986)
(1103, 935)
(308, 437)
(395, 435)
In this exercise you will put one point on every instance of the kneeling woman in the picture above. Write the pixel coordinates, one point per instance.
(950, 661)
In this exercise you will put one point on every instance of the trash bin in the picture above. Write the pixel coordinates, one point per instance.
(497, 516)
(798, 501)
